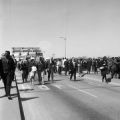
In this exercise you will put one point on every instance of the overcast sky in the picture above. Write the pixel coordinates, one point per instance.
(92, 27)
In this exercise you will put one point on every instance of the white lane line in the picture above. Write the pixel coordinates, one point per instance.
(91, 83)
(113, 83)
(57, 86)
(88, 93)
(93, 79)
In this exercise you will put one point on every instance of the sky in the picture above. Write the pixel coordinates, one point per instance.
(91, 27)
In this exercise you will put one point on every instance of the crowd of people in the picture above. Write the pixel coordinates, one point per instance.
(32, 66)
(41, 66)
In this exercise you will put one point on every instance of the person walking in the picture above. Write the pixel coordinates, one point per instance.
(66, 64)
(73, 68)
(59, 64)
(24, 69)
(51, 69)
(40, 70)
(7, 72)
(103, 72)
(32, 74)
(89, 64)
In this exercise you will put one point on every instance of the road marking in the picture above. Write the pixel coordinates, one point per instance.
(93, 79)
(88, 93)
(92, 83)
(57, 86)
(43, 87)
(113, 83)
(25, 87)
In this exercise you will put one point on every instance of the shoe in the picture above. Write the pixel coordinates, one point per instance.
(9, 97)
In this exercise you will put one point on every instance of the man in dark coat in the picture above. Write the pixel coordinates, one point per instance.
(89, 64)
(1, 69)
(51, 69)
(7, 72)
(40, 69)
(25, 70)
(66, 63)
(103, 72)
(73, 69)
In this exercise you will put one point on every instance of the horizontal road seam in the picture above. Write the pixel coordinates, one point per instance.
(88, 93)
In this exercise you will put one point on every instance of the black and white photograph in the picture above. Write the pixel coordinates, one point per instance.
(59, 59)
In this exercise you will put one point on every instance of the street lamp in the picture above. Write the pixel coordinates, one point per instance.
(64, 38)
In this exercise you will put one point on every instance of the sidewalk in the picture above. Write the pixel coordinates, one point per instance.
(9, 109)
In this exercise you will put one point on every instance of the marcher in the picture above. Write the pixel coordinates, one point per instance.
(24, 69)
(73, 69)
(7, 72)
(40, 69)
(51, 69)
(32, 74)
(89, 64)
(66, 64)
(103, 72)
(59, 64)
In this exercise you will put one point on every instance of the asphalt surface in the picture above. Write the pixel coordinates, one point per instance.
(87, 98)
(9, 109)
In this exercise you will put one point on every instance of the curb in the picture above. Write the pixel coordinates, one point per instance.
(20, 103)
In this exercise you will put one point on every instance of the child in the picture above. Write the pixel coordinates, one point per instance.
(32, 74)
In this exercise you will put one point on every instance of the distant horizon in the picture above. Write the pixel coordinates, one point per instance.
(64, 56)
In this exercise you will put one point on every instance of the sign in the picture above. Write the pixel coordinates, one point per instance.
(26, 49)
(23, 52)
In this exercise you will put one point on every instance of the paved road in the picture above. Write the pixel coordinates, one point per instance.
(86, 99)
(9, 109)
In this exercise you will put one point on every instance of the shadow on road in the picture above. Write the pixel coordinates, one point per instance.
(1, 87)
(77, 80)
(25, 99)
(19, 82)
(12, 95)
(13, 86)
(2, 96)
(25, 90)
(58, 80)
